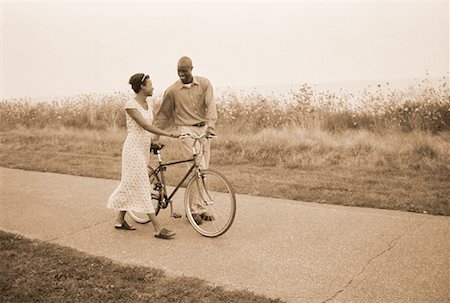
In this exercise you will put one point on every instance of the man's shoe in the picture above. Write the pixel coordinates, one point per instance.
(197, 219)
(207, 216)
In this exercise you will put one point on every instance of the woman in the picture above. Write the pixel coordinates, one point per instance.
(134, 191)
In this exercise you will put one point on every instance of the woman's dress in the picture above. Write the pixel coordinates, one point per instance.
(134, 191)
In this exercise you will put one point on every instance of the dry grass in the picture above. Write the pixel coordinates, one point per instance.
(384, 148)
(405, 171)
(317, 149)
(422, 107)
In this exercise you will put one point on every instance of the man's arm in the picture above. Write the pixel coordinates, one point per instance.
(211, 110)
(165, 116)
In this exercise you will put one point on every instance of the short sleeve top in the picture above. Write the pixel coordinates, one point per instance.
(132, 125)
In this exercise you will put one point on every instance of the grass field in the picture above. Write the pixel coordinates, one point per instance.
(390, 150)
(409, 172)
(421, 107)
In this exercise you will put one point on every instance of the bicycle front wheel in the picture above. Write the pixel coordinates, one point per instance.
(209, 195)
(156, 193)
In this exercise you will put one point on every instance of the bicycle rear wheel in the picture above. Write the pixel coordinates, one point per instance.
(155, 185)
(210, 192)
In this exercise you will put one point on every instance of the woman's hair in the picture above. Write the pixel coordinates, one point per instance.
(137, 80)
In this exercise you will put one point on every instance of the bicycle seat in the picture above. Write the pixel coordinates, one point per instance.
(155, 148)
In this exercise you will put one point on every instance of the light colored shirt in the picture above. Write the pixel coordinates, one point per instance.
(184, 105)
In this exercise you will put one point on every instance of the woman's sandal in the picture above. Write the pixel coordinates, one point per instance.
(124, 226)
(165, 234)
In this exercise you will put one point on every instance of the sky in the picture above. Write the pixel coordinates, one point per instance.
(63, 48)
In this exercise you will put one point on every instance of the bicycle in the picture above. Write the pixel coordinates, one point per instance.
(205, 187)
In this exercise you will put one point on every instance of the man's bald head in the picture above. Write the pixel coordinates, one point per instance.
(185, 70)
(185, 62)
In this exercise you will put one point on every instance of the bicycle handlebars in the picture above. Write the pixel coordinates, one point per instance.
(205, 135)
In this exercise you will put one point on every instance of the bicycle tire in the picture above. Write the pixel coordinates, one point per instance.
(143, 217)
(217, 198)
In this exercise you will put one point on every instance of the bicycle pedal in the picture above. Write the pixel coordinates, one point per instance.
(176, 215)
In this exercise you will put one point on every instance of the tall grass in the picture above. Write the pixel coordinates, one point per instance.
(82, 112)
(422, 107)
(384, 148)
(298, 148)
(381, 130)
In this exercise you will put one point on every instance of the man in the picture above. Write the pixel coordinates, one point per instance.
(189, 104)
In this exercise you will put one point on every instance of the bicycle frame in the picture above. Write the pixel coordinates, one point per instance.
(159, 170)
(162, 167)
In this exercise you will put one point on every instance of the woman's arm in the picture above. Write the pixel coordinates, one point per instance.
(140, 120)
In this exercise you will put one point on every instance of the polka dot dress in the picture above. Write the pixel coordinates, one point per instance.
(134, 191)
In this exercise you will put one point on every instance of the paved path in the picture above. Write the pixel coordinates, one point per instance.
(299, 252)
